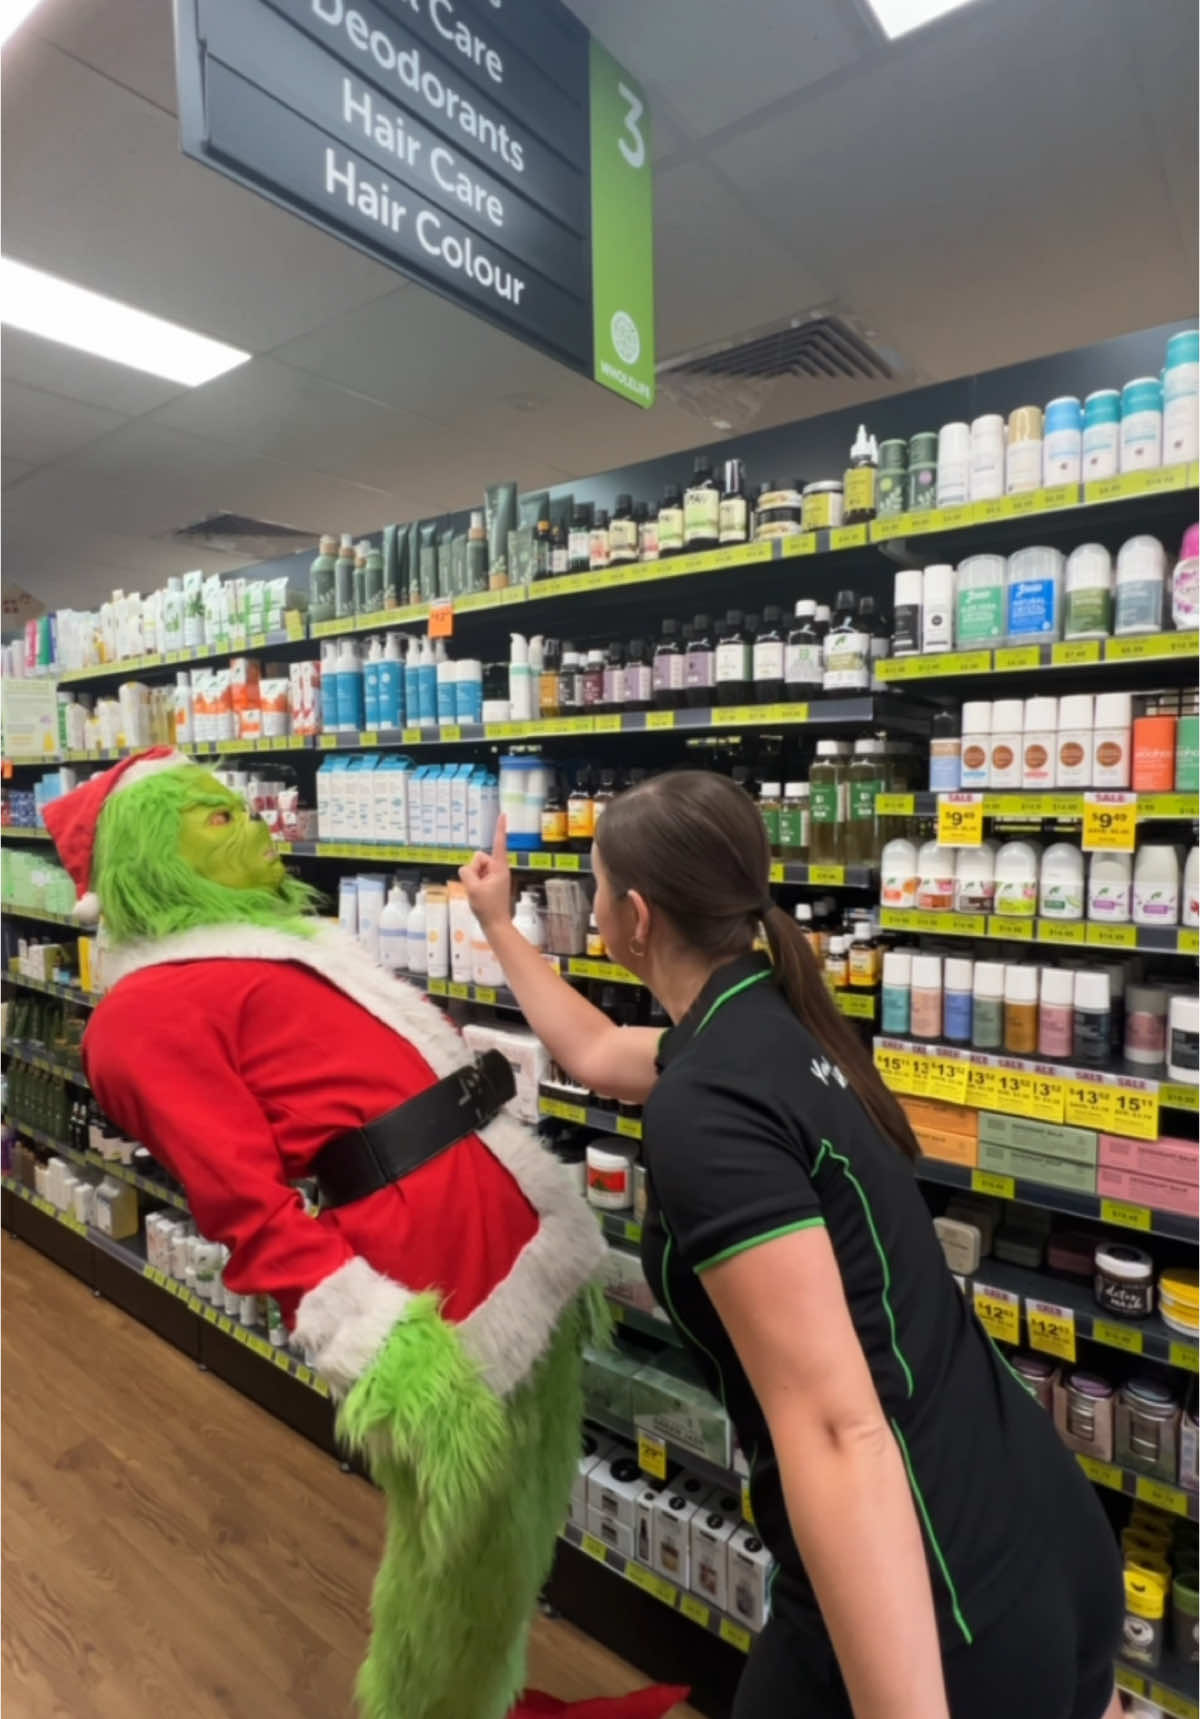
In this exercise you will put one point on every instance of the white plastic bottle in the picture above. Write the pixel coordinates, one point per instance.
(1039, 743)
(935, 878)
(937, 609)
(520, 679)
(1156, 886)
(987, 457)
(1141, 587)
(1061, 883)
(528, 919)
(1189, 906)
(1074, 749)
(1007, 743)
(975, 771)
(1110, 888)
(417, 959)
(437, 932)
(1112, 740)
(393, 931)
(898, 873)
(1016, 880)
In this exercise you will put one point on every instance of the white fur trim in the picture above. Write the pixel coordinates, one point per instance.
(146, 767)
(508, 1331)
(344, 1322)
(87, 908)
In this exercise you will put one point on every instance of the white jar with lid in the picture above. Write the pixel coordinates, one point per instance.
(1017, 880)
(987, 457)
(953, 465)
(610, 1174)
(975, 771)
(1156, 885)
(1073, 748)
(1060, 890)
(1110, 888)
(1141, 587)
(1007, 743)
(1183, 1040)
(1189, 906)
(1112, 740)
(1039, 739)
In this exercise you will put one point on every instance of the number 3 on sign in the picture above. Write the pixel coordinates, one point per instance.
(635, 152)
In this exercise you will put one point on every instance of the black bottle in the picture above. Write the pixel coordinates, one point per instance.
(732, 677)
(735, 507)
(769, 648)
(579, 548)
(700, 670)
(701, 508)
(670, 522)
(639, 676)
(668, 668)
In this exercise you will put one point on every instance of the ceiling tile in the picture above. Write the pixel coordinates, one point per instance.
(39, 426)
(131, 42)
(133, 218)
(80, 376)
(13, 470)
(727, 62)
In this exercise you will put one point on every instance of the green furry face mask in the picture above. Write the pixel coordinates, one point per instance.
(179, 851)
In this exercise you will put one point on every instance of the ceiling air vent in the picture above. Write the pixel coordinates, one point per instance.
(811, 357)
(238, 534)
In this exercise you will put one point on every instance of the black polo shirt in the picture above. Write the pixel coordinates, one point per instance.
(750, 1133)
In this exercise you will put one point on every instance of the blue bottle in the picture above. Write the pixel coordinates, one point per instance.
(329, 686)
(391, 684)
(412, 684)
(371, 684)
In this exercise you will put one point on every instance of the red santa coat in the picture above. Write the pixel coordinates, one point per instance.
(234, 1053)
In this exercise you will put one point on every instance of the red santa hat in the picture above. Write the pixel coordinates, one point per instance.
(72, 820)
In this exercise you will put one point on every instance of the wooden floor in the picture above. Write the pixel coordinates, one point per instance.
(170, 1550)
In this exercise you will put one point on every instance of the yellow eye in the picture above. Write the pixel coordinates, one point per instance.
(220, 817)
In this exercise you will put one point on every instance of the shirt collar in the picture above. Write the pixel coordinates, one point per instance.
(726, 978)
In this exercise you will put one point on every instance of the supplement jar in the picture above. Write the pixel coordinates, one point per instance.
(1038, 1376)
(1124, 1280)
(922, 471)
(1148, 1428)
(1183, 1040)
(893, 476)
(1087, 1419)
(1146, 1025)
(1179, 1299)
(821, 506)
(610, 1174)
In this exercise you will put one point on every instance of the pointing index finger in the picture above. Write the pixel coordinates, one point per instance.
(500, 841)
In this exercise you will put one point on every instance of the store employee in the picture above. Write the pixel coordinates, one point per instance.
(940, 1553)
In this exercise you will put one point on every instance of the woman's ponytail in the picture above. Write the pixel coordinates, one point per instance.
(803, 984)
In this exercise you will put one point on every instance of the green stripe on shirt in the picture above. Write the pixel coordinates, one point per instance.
(757, 1241)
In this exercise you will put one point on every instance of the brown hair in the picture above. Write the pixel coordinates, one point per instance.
(693, 844)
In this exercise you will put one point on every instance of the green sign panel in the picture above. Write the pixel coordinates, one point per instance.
(622, 232)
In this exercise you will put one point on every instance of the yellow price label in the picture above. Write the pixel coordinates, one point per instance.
(1162, 1496)
(999, 1312)
(960, 820)
(1051, 1329)
(1040, 1097)
(832, 875)
(1184, 1355)
(735, 1635)
(437, 987)
(1179, 1097)
(485, 994)
(1017, 656)
(734, 715)
(568, 862)
(327, 742)
(1075, 652)
(1116, 1336)
(1188, 942)
(747, 1503)
(1111, 936)
(856, 1007)
(561, 1111)
(652, 1456)
(896, 1068)
(660, 719)
(656, 1586)
(1013, 930)
(1170, 1700)
(1102, 1473)
(594, 1548)
(695, 1609)
(800, 543)
(1056, 931)
(459, 990)
(848, 537)
(610, 724)
(1126, 1215)
(541, 861)
(981, 1087)
(895, 805)
(1109, 822)
(989, 1182)
(1112, 1110)
(629, 1127)
(946, 1080)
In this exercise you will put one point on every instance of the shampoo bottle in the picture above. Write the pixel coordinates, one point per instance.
(393, 931)
(371, 717)
(391, 684)
(426, 684)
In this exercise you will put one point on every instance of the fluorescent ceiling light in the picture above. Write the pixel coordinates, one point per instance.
(57, 310)
(898, 17)
(13, 14)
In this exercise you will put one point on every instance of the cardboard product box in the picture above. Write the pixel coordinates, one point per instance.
(612, 1532)
(670, 1401)
(625, 1281)
(1172, 1160)
(941, 1118)
(713, 1528)
(647, 1502)
(613, 1486)
(750, 1566)
(949, 1148)
(1038, 1167)
(1077, 1145)
(362, 771)
(1152, 1191)
(595, 1450)
(527, 1057)
(671, 1539)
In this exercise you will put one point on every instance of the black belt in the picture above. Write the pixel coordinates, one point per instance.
(364, 1160)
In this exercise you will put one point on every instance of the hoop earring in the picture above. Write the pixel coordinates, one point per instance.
(636, 948)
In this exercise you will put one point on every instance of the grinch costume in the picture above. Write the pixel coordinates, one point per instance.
(446, 1309)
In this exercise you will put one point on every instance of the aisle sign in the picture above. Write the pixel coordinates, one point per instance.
(1109, 823)
(491, 150)
(960, 820)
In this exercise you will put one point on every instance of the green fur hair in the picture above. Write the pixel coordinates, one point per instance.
(149, 891)
(477, 1489)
